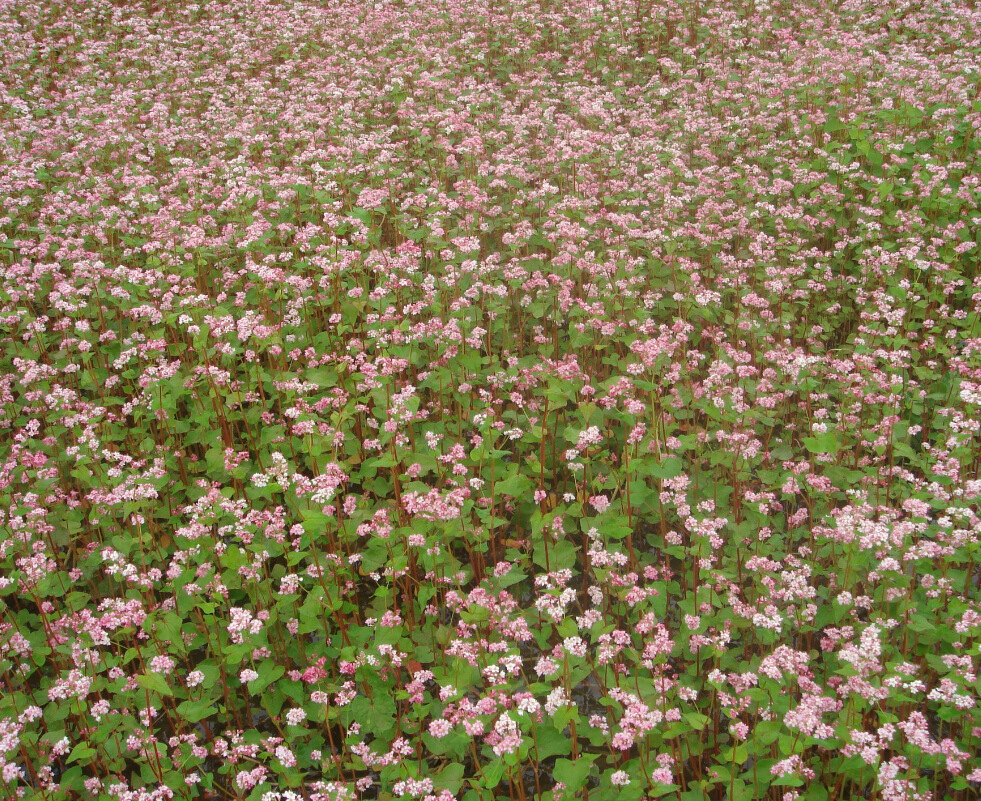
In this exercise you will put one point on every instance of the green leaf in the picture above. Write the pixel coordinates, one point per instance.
(561, 555)
(550, 742)
(453, 744)
(669, 468)
(696, 720)
(193, 711)
(322, 376)
(573, 774)
(516, 485)
(822, 443)
(493, 773)
(450, 778)
(154, 682)
(816, 792)
(81, 751)
(740, 790)
(267, 675)
(765, 733)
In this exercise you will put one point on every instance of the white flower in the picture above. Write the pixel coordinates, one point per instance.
(505, 725)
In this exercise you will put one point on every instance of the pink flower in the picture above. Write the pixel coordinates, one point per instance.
(662, 775)
(600, 503)
(619, 778)
(161, 664)
(285, 756)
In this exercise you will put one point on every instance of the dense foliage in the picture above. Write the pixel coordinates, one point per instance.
(490, 400)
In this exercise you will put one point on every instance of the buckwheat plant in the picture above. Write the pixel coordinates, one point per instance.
(490, 400)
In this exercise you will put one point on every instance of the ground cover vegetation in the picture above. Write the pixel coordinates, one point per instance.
(490, 400)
